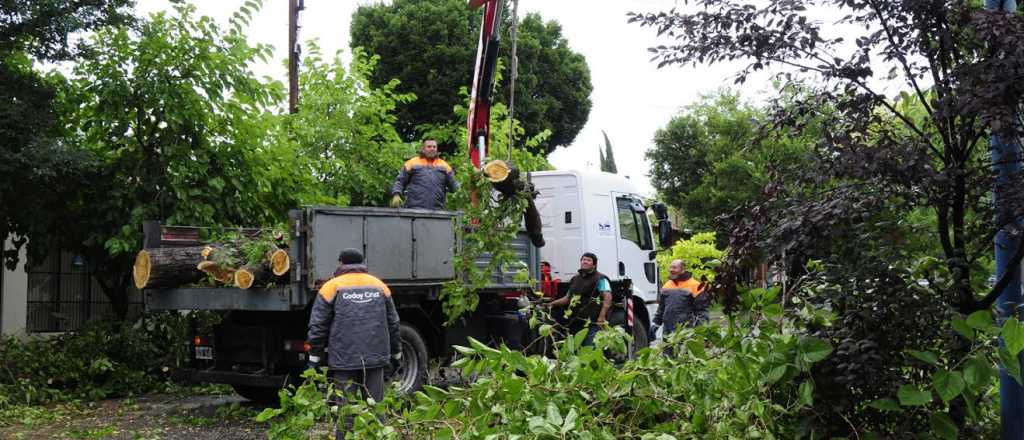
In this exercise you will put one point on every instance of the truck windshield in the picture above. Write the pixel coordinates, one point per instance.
(633, 225)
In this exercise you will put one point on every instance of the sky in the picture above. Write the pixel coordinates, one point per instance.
(632, 98)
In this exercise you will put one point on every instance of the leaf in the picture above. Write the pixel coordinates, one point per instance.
(1011, 363)
(554, 417)
(977, 373)
(885, 404)
(925, 356)
(948, 384)
(911, 395)
(775, 374)
(773, 310)
(696, 347)
(963, 329)
(943, 426)
(1013, 336)
(814, 349)
(980, 320)
(570, 421)
(807, 393)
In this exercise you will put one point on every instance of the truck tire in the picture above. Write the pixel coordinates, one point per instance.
(263, 395)
(640, 340)
(412, 374)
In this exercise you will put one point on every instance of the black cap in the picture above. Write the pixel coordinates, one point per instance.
(590, 255)
(350, 256)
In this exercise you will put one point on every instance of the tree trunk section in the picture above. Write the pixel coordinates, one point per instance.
(279, 261)
(223, 275)
(166, 267)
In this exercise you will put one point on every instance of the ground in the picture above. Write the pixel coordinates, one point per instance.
(157, 416)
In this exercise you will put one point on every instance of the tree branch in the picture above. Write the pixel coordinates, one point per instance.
(997, 290)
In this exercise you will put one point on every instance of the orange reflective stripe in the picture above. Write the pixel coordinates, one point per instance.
(352, 280)
(691, 284)
(420, 161)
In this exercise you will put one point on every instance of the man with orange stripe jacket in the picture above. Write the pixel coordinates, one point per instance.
(425, 180)
(681, 300)
(355, 319)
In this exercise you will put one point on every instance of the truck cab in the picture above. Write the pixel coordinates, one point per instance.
(601, 213)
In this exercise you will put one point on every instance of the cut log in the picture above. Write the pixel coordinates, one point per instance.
(279, 261)
(505, 178)
(166, 267)
(253, 275)
(223, 275)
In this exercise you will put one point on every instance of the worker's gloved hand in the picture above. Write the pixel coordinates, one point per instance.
(396, 201)
(396, 362)
(313, 362)
(653, 333)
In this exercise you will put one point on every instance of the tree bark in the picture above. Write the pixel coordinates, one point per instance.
(166, 267)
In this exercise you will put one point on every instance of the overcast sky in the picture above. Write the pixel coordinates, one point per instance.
(631, 97)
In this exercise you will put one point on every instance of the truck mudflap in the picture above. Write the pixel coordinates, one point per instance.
(192, 375)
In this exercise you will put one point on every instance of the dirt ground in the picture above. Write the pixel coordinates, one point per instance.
(151, 417)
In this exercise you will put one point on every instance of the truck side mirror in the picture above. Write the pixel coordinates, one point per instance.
(660, 211)
(665, 234)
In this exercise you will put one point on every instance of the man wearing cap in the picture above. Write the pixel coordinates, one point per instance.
(594, 293)
(424, 179)
(355, 319)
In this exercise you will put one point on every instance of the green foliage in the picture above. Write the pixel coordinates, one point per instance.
(430, 46)
(709, 159)
(103, 359)
(345, 129)
(745, 378)
(699, 251)
(606, 156)
(301, 407)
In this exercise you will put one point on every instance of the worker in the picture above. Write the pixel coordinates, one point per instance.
(594, 293)
(676, 299)
(425, 180)
(355, 319)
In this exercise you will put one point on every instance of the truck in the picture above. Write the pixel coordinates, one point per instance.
(259, 345)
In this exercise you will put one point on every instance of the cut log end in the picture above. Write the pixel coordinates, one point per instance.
(244, 278)
(497, 171)
(223, 275)
(206, 252)
(279, 262)
(141, 269)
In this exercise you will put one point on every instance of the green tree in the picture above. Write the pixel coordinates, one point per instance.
(711, 159)
(180, 128)
(345, 127)
(38, 166)
(607, 157)
(430, 47)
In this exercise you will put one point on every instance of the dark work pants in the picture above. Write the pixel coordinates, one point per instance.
(368, 382)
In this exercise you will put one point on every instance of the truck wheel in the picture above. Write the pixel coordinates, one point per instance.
(264, 395)
(412, 374)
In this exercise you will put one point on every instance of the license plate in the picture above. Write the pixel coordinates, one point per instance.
(204, 353)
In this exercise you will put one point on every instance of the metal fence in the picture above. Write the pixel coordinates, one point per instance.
(63, 295)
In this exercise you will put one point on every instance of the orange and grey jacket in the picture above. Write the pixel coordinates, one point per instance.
(677, 302)
(355, 318)
(425, 182)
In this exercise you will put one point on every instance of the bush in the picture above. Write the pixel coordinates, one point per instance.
(103, 359)
(699, 252)
(744, 378)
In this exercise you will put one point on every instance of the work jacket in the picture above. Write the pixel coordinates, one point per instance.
(425, 182)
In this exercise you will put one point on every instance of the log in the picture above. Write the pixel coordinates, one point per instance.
(505, 178)
(166, 267)
(223, 275)
(279, 261)
(253, 275)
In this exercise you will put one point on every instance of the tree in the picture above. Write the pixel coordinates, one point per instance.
(180, 128)
(38, 166)
(430, 47)
(606, 156)
(879, 158)
(704, 161)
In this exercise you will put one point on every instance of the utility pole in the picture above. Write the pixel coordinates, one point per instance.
(1006, 162)
(294, 6)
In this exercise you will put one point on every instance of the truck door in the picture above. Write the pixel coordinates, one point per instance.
(635, 245)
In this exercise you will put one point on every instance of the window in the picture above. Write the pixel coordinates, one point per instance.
(633, 225)
(63, 295)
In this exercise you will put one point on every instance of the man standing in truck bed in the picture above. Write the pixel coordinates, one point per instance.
(425, 180)
(354, 317)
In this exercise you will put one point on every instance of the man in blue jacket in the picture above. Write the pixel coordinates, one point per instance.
(425, 180)
(355, 319)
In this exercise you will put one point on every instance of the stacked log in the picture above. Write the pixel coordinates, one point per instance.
(166, 267)
(174, 267)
